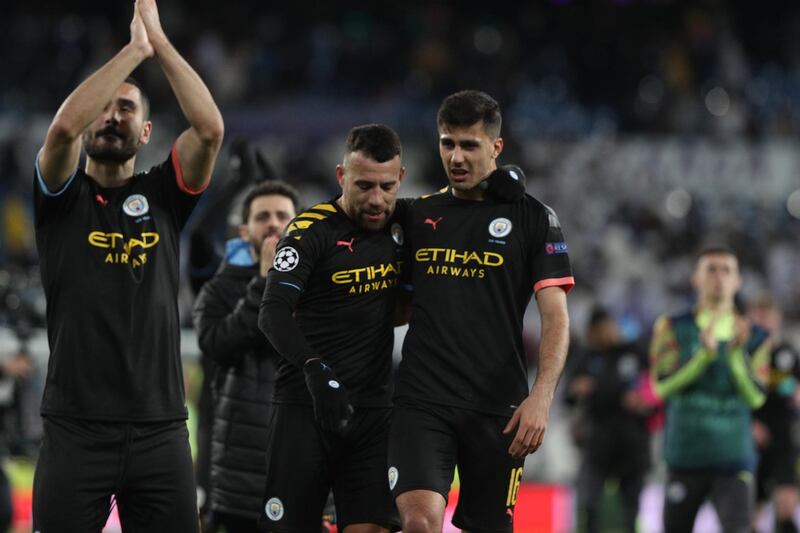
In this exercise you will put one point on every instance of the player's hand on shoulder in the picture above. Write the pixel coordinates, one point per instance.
(332, 408)
(505, 184)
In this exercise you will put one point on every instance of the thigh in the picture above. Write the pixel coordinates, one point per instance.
(733, 498)
(298, 475)
(76, 474)
(490, 477)
(158, 493)
(422, 451)
(360, 485)
(684, 493)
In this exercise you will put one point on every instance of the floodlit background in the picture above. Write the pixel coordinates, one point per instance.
(651, 127)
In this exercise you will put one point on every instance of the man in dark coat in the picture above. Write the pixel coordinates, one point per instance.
(226, 319)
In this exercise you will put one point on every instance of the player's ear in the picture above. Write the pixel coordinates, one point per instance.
(144, 136)
(340, 175)
(498, 147)
(401, 174)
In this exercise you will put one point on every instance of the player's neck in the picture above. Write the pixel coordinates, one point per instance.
(108, 174)
(343, 206)
(475, 194)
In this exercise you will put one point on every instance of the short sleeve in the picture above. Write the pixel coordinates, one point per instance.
(295, 258)
(550, 254)
(47, 203)
(167, 178)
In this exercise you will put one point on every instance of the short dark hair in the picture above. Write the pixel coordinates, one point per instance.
(269, 188)
(377, 141)
(465, 108)
(715, 249)
(145, 99)
(598, 316)
(764, 301)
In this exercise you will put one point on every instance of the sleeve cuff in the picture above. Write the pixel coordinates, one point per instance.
(565, 283)
(43, 184)
(176, 165)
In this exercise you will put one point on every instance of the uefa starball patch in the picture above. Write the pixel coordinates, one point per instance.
(286, 259)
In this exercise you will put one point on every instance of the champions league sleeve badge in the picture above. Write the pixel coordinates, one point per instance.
(286, 259)
(135, 205)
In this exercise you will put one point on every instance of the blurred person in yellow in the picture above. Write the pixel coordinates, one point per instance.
(710, 365)
(613, 434)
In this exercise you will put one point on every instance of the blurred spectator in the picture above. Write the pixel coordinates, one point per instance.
(774, 424)
(226, 319)
(13, 369)
(611, 425)
(709, 364)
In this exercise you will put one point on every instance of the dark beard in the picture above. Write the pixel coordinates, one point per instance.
(107, 153)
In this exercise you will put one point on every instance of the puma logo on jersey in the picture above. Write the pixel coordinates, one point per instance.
(348, 244)
(101, 200)
(432, 222)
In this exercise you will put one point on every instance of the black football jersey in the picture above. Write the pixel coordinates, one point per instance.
(473, 267)
(342, 282)
(109, 263)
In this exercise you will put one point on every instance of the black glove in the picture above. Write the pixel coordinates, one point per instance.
(331, 407)
(505, 184)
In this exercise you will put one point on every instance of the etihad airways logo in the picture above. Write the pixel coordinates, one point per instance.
(458, 263)
(368, 279)
(124, 250)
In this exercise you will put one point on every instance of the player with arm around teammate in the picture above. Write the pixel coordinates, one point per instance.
(462, 394)
(329, 309)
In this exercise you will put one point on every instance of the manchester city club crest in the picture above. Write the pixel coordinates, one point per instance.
(397, 233)
(135, 205)
(499, 227)
(274, 509)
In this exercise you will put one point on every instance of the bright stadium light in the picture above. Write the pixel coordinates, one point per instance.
(793, 204)
(718, 102)
(678, 203)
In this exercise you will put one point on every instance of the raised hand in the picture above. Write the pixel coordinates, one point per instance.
(148, 11)
(741, 331)
(139, 37)
(707, 337)
(267, 253)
